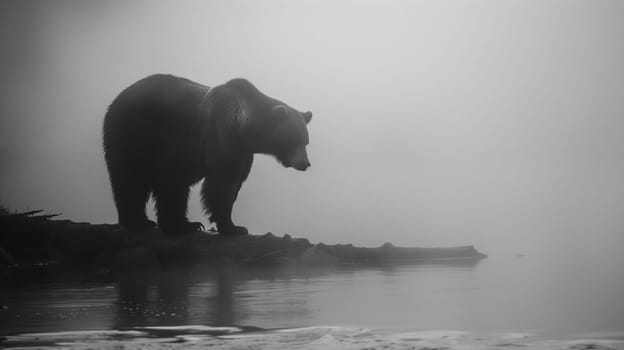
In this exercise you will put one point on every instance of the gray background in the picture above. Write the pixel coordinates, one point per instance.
(494, 123)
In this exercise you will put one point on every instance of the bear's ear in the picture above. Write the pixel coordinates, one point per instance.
(307, 116)
(280, 112)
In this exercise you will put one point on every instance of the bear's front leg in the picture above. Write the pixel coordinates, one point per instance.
(230, 229)
(218, 196)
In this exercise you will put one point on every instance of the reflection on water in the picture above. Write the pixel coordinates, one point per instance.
(169, 294)
(497, 294)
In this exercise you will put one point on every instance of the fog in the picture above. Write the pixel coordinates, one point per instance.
(436, 123)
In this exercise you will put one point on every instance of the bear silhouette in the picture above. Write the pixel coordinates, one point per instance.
(165, 133)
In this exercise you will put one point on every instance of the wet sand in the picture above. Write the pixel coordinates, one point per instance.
(191, 337)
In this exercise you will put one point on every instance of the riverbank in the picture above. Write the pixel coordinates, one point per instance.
(35, 241)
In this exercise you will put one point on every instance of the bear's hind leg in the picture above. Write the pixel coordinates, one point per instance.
(130, 194)
(171, 204)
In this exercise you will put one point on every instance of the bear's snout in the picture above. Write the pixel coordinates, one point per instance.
(298, 159)
(302, 166)
(297, 165)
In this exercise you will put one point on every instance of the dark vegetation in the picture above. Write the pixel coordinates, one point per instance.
(33, 241)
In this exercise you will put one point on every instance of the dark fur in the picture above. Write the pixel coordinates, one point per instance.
(165, 133)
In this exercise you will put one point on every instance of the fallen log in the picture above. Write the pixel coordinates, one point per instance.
(33, 238)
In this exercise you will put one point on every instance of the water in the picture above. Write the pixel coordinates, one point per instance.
(533, 298)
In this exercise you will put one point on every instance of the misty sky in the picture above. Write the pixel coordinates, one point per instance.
(436, 123)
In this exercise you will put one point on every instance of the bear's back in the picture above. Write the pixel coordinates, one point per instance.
(155, 117)
(159, 94)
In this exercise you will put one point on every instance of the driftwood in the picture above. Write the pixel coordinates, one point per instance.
(29, 238)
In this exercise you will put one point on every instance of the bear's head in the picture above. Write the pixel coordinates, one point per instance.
(272, 127)
(289, 137)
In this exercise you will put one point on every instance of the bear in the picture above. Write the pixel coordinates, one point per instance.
(165, 133)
